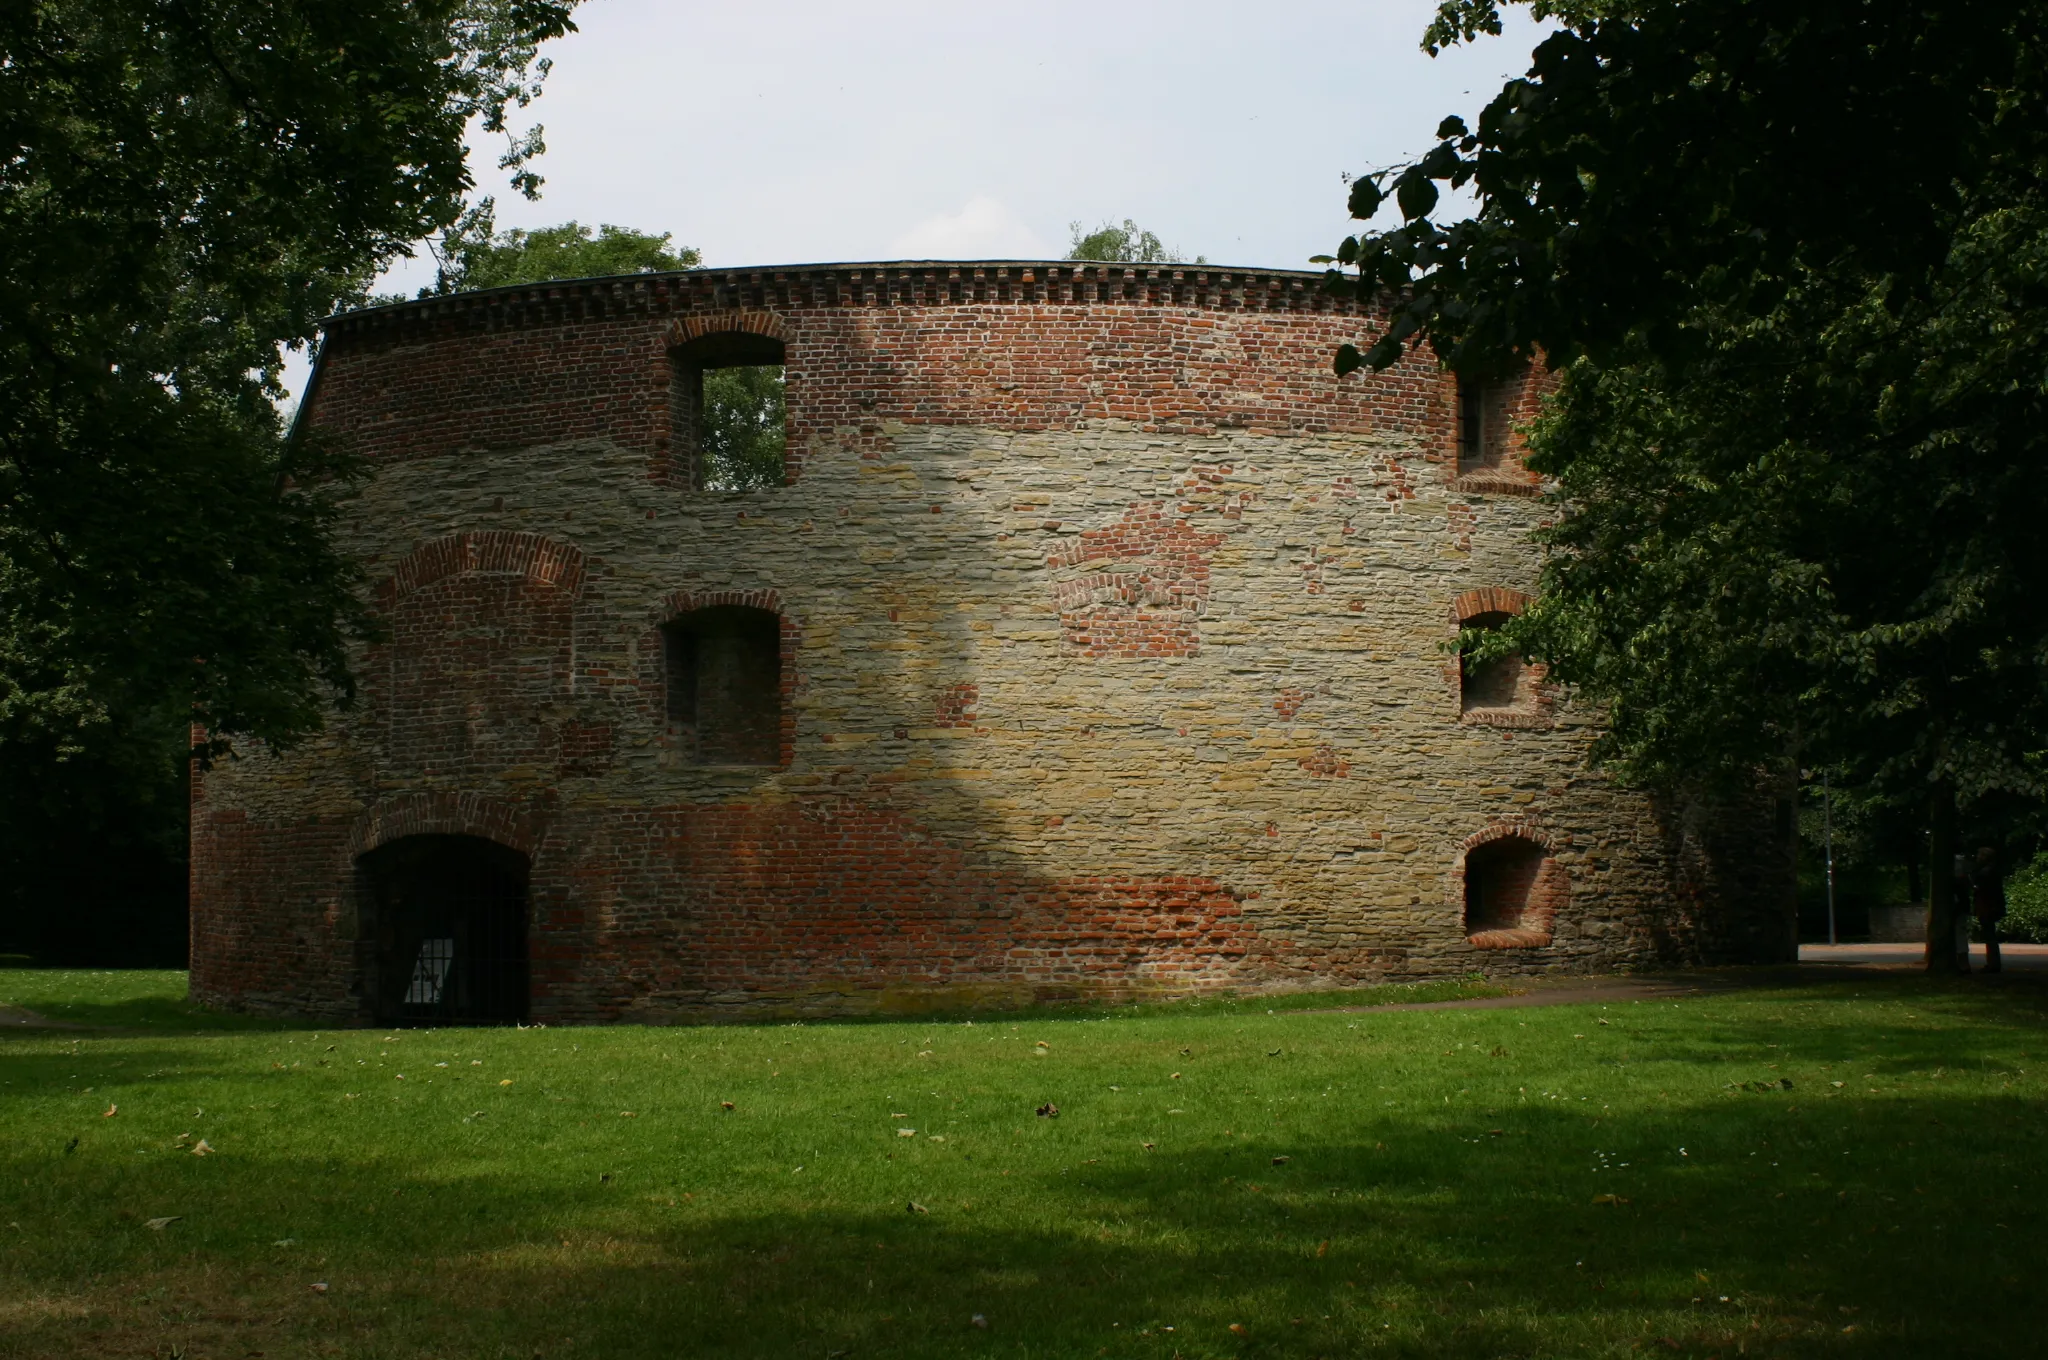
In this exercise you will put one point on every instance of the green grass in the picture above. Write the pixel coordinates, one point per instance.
(1512, 1182)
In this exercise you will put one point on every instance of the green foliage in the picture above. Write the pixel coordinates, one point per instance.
(1462, 1183)
(744, 422)
(2026, 903)
(1791, 263)
(473, 254)
(1126, 244)
(188, 188)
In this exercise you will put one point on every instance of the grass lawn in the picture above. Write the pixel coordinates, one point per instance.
(1627, 1179)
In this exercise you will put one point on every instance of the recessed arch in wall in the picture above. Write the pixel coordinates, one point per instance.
(1512, 886)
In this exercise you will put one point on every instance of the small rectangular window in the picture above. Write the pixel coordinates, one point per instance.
(724, 685)
(1471, 425)
(1501, 685)
(727, 411)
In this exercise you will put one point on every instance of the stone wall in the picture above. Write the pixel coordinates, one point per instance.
(1113, 660)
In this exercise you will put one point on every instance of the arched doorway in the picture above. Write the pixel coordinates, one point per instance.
(449, 929)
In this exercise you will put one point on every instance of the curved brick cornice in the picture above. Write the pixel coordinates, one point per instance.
(514, 825)
(1489, 600)
(542, 560)
(904, 283)
(684, 329)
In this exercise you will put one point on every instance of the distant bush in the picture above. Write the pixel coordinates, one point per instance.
(2026, 903)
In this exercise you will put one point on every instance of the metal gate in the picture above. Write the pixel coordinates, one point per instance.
(449, 930)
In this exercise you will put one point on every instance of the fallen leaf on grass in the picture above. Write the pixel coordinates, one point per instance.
(1048, 1111)
(201, 1148)
(725, 1104)
(1280, 1161)
(112, 1110)
(1323, 1248)
(506, 1082)
(1149, 1146)
(627, 1114)
(917, 1208)
(286, 1242)
(1238, 1328)
(1610, 1199)
(318, 1287)
(159, 1224)
(1174, 1077)
(906, 1133)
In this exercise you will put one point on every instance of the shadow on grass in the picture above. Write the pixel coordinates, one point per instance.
(125, 999)
(1432, 1245)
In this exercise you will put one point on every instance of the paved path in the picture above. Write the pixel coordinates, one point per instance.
(2018, 958)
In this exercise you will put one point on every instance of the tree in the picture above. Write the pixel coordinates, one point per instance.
(186, 189)
(473, 254)
(1789, 262)
(1126, 244)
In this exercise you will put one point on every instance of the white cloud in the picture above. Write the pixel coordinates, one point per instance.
(985, 229)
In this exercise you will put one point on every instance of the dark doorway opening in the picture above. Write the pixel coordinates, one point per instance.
(449, 931)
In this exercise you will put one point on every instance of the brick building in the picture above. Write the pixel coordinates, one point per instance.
(1095, 643)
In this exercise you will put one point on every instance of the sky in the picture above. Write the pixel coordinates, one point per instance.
(797, 131)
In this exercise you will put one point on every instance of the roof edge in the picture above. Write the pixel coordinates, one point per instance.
(1019, 271)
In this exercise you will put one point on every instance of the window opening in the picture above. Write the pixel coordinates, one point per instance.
(449, 935)
(1511, 890)
(724, 685)
(1503, 684)
(1471, 425)
(728, 411)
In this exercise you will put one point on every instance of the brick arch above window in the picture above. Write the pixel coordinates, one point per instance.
(540, 559)
(1489, 600)
(1525, 828)
(684, 601)
(685, 329)
(517, 826)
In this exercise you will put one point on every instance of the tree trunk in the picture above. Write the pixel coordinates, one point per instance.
(1914, 891)
(1941, 880)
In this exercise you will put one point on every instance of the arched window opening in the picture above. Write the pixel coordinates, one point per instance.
(1513, 889)
(1504, 685)
(448, 929)
(729, 419)
(723, 673)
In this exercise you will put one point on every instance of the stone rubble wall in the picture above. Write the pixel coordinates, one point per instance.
(1114, 638)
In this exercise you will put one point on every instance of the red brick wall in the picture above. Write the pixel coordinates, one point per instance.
(1010, 347)
(977, 688)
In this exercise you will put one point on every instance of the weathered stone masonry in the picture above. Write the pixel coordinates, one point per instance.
(1109, 642)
